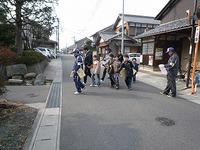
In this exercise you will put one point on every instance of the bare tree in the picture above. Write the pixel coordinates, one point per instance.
(24, 12)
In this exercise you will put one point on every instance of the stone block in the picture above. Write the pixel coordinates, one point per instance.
(19, 69)
(30, 75)
(40, 79)
(17, 77)
(15, 81)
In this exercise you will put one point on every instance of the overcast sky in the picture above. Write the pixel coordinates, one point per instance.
(82, 18)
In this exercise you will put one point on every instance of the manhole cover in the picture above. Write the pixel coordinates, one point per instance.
(32, 95)
(165, 121)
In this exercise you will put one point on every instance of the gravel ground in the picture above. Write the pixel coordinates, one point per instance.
(16, 121)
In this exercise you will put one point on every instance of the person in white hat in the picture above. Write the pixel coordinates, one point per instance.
(172, 70)
(78, 63)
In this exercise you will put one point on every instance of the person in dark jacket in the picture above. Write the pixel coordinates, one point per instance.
(78, 63)
(128, 66)
(120, 56)
(111, 70)
(135, 67)
(88, 63)
(172, 70)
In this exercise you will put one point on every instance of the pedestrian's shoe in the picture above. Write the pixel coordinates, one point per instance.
(96, 85)
(91, 85)
(102, 81)
(117, 87)
(129, 89)
(163, 93)
(83, 88)
(171, 96)
(112, 86)
(77, 93)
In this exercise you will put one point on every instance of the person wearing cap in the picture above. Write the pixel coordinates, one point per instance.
(88, 63)
(172, 70)
(78, 63)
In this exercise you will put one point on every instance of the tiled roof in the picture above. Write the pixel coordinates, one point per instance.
(107, 29)
(116, 36)
(139, 19)
(107, 35)
(166, 27)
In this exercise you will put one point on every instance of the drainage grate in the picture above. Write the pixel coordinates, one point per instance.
(165, 121)
(54, 96)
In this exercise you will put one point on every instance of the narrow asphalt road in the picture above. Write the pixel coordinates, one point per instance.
(107, 119)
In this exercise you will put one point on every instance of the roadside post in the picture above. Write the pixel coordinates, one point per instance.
(196, 40)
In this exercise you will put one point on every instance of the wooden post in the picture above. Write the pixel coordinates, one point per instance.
(195, 58)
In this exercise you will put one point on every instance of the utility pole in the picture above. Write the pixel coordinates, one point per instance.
(122, 42)
(196, 50)
(192, 45)
(58, 34)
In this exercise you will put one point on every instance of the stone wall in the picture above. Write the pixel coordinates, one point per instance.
(39, 67)
(3, 70)
(36, 68)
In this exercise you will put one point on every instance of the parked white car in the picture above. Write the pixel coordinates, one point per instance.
(135, 55)
(44, 51)
(53, 53)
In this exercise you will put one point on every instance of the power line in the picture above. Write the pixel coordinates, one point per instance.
(93, 14)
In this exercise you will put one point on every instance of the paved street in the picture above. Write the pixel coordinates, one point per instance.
(107, 119)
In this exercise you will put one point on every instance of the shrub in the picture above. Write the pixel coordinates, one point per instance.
(7, 57)
(2, 85)
(30, 57)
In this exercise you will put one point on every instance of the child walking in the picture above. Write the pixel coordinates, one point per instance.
(135, 67)
(96, 71)
(111, 70)
(117, 68)
(128, 66)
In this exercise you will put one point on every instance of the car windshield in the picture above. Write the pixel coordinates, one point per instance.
(42, 49)
(134, 55)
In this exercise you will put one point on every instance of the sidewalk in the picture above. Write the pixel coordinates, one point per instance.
(158, 80)
(47, 131)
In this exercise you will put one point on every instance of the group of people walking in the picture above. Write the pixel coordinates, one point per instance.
(113, 66)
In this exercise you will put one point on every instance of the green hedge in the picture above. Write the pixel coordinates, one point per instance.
(30, 57)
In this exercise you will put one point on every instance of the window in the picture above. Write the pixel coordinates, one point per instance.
(138, 25)
(148, 48)
(144, 49)
(150, 25)
(127, 50)
(144, 25)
